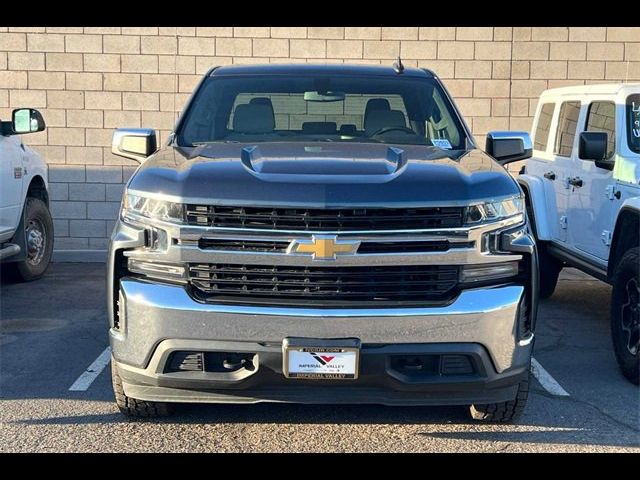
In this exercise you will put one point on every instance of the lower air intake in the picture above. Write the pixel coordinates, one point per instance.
(185, 362)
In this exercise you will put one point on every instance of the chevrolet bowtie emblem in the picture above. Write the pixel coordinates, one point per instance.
(324, 247)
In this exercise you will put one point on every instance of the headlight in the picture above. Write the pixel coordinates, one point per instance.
(152, 208)
(495, 211)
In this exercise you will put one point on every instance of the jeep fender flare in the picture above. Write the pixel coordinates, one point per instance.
(632, 204)
(535, 194)
(625, 232)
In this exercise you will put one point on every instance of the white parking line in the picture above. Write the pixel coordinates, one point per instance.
(546, 380)
(85, 380)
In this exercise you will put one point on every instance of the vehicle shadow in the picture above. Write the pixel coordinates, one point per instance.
(277, 413)
(446, 423)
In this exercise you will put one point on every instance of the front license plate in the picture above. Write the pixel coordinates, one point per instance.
(321, 362)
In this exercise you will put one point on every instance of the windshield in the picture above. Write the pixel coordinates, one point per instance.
(633, 122)
(308, 108)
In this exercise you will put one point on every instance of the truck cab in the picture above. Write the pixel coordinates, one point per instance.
(583, 197)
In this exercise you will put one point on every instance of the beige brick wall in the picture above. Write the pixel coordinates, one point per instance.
(87, 81)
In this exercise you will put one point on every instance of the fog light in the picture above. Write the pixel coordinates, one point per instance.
(163, 271)
(480, 273)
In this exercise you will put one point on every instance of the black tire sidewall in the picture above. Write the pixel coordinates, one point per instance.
(37, 209)
(626, 269)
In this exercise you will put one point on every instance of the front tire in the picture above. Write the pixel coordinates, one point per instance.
(132, 407)
(625, 315)
(38, 232)
(503, 412)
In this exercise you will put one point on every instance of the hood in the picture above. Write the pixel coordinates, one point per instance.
(323, 175)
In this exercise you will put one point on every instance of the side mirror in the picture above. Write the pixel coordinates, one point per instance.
(27, 120)
(507, 147)
(593, 146)
(134, 143)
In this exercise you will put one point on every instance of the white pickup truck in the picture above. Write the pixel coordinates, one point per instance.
(583, 197)
(26, 228)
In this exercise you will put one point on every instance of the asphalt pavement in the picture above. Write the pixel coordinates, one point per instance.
(53, 329)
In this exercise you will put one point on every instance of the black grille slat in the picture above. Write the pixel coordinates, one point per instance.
(335, 220)
(299, 274)
(421, 246)
(276, 284)
(317, 285)
(242, 245)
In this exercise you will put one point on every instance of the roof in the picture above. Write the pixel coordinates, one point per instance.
(318, 69)
(601, 88)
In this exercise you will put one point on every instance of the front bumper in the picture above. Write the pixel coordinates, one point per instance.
(157, 319)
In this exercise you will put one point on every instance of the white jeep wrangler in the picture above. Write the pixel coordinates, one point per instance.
(26, 228)
(583, 196)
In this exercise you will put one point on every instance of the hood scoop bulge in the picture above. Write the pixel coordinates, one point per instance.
(322, 164)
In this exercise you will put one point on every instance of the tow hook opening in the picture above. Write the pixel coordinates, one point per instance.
(421, 366)
(228, 362)
(212, 362)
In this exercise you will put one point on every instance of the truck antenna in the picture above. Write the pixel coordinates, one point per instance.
(398, 66)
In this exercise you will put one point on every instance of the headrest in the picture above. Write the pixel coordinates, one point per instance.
(348, 129)
(264, 101)
(319, 128)
(261, 101)
(253, 118)
(380, 118)
(375, 104)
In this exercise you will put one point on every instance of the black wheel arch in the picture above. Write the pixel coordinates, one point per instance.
(38, 189)
(625, 237)
(529, 207)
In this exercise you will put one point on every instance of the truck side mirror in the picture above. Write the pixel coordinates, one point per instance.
(26, 120)
(593, 146)
(134, 143)
(507, 147)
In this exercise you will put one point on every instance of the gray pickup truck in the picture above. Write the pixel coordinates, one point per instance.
(322, 234)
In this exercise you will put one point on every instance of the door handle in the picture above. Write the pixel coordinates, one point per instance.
(550, 176)
(576, 182)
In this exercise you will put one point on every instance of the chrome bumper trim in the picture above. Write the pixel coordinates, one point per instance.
(484, 300)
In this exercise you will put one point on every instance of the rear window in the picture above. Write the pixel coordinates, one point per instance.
(541, 136)
(567, 124)
(293, 112)
(309, 108)
(633, 122)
